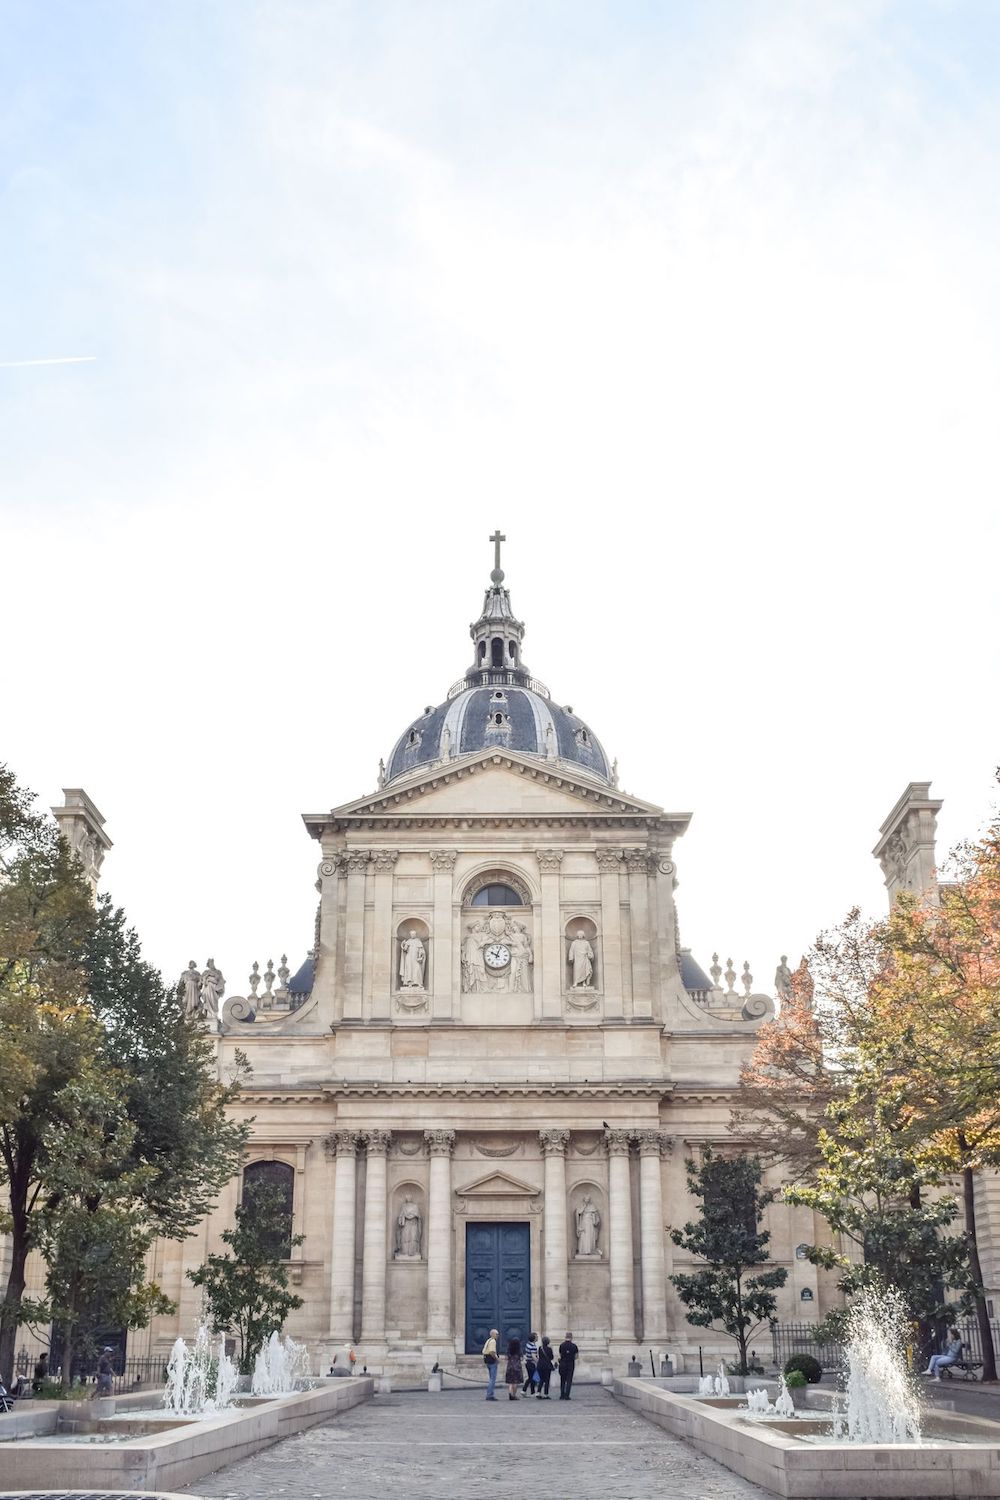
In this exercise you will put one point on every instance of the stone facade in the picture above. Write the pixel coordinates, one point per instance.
(484, 1082)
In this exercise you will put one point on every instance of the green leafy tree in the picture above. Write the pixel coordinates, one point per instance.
(886, 1203)
(730, 1293)
(49, 1039)
(247, 1290)
(82, 1014)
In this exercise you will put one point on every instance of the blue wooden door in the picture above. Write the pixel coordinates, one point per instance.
(497, 1283)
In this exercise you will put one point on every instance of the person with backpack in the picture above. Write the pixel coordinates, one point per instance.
(492, 1362)
(530, 1362)
(545, 1366)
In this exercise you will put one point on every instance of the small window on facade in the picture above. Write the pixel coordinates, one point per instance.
(280, 1177)
(496, 895)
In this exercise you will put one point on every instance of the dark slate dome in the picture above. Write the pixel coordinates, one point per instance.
(498, 705)
(498, 716)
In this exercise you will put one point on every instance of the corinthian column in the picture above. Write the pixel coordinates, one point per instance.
(344, 1144)
(654, 1288)
(620, 1236)
(373, 1265)
(554, 1144)
(439, 1144)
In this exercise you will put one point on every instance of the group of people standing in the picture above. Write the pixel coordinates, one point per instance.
(529, 1369)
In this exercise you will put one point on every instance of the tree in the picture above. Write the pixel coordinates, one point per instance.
(728, 1237)
(247, 1291)
(873, 1191)
(82, 1014)
(48, 1036)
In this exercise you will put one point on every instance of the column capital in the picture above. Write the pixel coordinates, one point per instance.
(377, 1142)
(638, 861)
(554, 1142)
(443, 859)
(618, 1142)
(342, 1142)
(440, 1142)
(356, 861)
(329, 866)
(610, 860)
(653, 1143)
(384, 860)
(549, 860)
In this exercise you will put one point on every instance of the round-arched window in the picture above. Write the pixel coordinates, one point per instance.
(496, 895)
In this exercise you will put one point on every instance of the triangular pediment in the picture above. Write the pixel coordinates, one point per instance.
(491, 784)
(498, 1185)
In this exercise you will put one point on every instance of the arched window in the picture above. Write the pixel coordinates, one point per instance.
(280, 1177)
(497, 652)
(496, 895)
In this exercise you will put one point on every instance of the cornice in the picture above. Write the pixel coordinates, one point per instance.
(370, 1089)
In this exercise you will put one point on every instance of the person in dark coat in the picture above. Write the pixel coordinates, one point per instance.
(567, 1365)
(514, 1373)
(41, 1372)
(105, 1372)
(546, 1362)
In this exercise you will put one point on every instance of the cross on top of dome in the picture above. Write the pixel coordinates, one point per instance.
(496, 539)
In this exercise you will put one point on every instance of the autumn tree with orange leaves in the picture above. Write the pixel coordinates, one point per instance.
(914, 1001)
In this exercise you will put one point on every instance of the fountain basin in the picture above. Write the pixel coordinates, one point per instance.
(799, 1458)
(179, 1450)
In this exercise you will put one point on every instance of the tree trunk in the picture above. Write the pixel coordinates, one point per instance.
(12, 1300)
(982, 1312)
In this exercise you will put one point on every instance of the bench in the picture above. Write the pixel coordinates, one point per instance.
(963, 1369)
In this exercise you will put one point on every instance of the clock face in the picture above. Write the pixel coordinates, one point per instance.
(497, 956)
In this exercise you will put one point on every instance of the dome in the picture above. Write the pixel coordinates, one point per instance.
(498, 705)
(498, 717)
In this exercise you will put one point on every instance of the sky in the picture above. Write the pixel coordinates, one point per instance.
(698, 302)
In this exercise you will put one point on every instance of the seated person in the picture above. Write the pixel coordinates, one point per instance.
(952, 1354)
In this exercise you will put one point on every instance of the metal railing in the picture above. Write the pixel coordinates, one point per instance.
(134, 1371)
(498, 677)
(800, 1338)
(968, 1332)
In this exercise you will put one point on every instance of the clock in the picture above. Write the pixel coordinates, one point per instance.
(497, 956)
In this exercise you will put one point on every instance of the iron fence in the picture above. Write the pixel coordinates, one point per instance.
(968, 1332)
(129, 1373)
(800, 1338)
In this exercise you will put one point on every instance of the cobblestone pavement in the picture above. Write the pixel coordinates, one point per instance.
(434, 1447)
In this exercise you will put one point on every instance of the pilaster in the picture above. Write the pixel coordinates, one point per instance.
(610, 863)
(620, 1235)
(344, 1145)
(552, 965)
(355, 870)
(384, 981)
(637, 862)
(555, 1312)
(440, 1144)
(651, 1230)
(373, 1266)
(444, 966)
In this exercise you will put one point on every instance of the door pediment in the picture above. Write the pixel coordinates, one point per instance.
(497, 1185)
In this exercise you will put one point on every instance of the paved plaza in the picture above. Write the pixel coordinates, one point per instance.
(425, 1447)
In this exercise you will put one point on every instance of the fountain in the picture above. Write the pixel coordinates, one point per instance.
(706, 1386)
(759, 1403)
(882, 1402)
(200, 1380)
(280, 1364)
(721, 1381)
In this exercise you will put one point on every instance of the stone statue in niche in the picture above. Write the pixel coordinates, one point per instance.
(191, 980)
(497, 956)
(213, 987)
(412, 961)
(581, 962)
(409, 1230)
(588, 1227)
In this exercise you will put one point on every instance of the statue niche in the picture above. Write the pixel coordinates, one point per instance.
(581, 955)
(408, 1228)
(587, 1228)
(411, 968)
